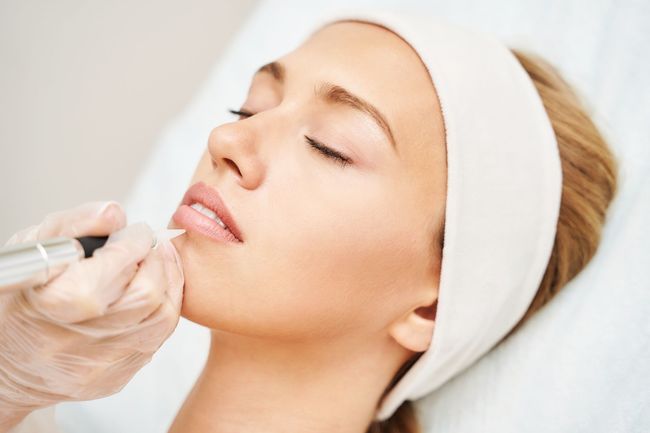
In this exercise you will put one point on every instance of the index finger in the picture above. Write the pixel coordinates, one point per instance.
(89, 219)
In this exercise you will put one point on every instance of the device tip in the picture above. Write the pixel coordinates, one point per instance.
(166, 234)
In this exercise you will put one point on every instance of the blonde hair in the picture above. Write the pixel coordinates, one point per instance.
(589, 170)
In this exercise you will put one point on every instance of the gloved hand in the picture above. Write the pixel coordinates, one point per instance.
(85, 333)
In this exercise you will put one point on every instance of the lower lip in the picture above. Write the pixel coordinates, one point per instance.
(190, 219)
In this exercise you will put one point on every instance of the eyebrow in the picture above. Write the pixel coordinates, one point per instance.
(335, 94)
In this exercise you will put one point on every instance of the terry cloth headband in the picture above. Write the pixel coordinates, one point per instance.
(504, 185)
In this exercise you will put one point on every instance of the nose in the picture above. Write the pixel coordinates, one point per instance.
(234, 152)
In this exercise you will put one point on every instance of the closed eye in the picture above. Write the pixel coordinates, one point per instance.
(241, 113)
(327, 152)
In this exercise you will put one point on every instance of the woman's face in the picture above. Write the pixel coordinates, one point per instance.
(330, 247)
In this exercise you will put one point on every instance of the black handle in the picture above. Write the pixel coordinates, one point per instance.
(91, 243)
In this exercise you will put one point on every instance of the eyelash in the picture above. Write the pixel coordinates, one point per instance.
(324, 150)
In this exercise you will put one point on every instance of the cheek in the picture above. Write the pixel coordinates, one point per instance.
(337, 258)
(354, 271)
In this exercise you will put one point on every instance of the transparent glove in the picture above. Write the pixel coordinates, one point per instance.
(86, 332)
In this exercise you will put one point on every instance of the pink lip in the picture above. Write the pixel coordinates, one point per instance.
(192, 220)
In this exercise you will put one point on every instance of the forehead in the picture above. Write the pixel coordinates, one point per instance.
(380, 67)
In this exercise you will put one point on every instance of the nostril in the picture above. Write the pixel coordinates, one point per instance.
(233, 165)
(428, 312)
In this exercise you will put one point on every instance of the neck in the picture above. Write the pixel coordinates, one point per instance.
(261, 385)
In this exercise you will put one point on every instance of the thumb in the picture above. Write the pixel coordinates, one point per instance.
(174, 272)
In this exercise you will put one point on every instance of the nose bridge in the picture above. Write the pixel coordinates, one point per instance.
(232, 138)
(233, 148)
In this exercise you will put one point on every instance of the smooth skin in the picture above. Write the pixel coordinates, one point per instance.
(334, 287)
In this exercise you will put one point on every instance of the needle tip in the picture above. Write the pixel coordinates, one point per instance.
(166, 234)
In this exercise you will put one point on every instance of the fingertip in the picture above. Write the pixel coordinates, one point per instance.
(113, 214)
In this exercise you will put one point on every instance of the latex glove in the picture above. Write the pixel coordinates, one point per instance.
(85, 333)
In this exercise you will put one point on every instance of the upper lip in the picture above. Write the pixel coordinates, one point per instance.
(210, 198)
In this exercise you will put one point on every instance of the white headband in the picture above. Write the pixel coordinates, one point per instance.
(504, 184)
